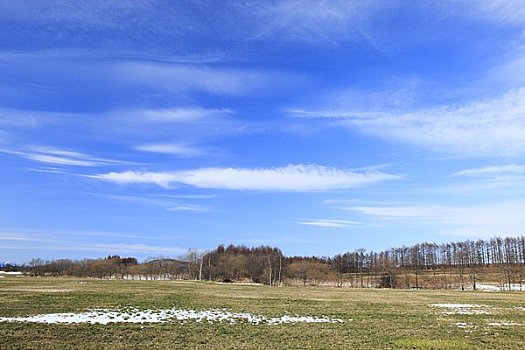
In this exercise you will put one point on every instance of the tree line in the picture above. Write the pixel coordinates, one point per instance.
(449, 264)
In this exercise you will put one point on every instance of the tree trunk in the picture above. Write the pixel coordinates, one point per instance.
(209, 268)
(200, 269)
(270, 266)
(280, 268)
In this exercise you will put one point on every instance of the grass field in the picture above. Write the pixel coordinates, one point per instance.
(373, 318)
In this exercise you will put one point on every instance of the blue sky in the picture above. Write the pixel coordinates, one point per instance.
(144, 128)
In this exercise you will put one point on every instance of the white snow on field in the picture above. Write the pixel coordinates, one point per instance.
(499, 287)
(458, 306)
(488, 287)
(463, 309)
(503, 324)
(467, 327)
(132, 315)
(462, 325)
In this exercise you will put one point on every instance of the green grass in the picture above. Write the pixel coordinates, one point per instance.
(380, 319)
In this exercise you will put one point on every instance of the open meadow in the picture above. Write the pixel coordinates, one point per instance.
(200, 315)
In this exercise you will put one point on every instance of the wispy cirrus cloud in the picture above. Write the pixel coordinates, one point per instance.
(500, 11)
(492, 171)
(172, 148)
(189, 208)
(400, 211)
(132, 123)
(154, 24)
(23, 118)
(454, 129)
(110, 248)
(135, 81)
(289, 178)
(9, 236)
(482, 220)
(132, 177)
(175, 203)
(182, 78)
(42, 241)
(172, 115)
(59, 234)
(329, 223)
(119, 248)
(50, 155)
(321, 22)
(129, 22)
(176, 130)
(493, 180)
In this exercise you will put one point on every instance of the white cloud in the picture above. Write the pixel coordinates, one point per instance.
(400, 211)
(46, 158)
(56, 235)
(120, 248)
(22, 118)
(509, 72)
(182, 78)
(9, 236)
(176, 130)
(81, 241)
(320, 22)
(110, 248)
(494, 170)
(492, 127)
(174, 115)
(500, 11)
(133, 177)
(172, 148)
(484, 220)
(48, 170)
(130, 22)
(135, 24)
(186, 196)
(329, 223)
(166, 203)
(493, 181)
(187, 125)
(189, 208)
(289, 178)
(50, 155)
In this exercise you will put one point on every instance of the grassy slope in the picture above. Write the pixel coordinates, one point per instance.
(381, 319)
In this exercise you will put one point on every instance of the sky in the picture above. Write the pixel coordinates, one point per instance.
(145, 128)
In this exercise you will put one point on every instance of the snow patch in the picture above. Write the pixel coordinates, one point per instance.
(504, 324)
(468, 327)
(500, 287)
(463, 325)
(133, 315)
(463, 309)
(488, 287)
